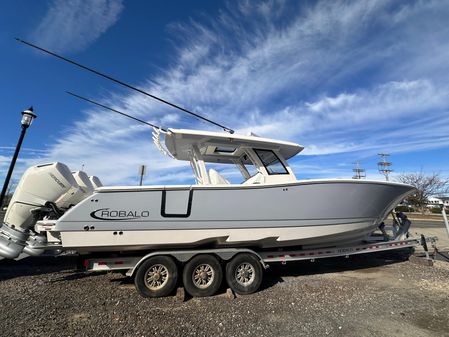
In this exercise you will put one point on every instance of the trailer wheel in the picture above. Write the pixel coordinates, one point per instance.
(156, 277)
(202, 276)
(244, 274)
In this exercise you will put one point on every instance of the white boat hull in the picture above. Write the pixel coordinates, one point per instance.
(254, 237)
(303, 213)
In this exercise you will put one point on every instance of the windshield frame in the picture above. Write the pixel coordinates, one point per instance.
(267, 165)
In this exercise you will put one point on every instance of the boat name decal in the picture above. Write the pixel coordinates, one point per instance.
(107, 214)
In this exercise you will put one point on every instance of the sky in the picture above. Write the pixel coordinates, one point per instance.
(345, 79)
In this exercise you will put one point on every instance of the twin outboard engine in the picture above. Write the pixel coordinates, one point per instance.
(95, 181)
(46, 190)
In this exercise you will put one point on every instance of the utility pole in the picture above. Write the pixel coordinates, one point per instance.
(142, 172)
(359, 173)
(384, 165)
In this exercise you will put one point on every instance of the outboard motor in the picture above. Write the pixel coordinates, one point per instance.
(70, 198)
(85, 185)
(95, 181)
(39, 187)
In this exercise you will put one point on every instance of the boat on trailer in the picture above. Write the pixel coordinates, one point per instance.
(207, 229)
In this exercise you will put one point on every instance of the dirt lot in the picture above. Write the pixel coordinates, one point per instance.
(340, 297)
(361, 296)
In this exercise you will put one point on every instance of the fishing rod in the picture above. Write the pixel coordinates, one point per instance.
(117, 111)
(125, 85)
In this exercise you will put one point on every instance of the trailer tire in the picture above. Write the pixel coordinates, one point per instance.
(156, 277)
(244, 274)
(202, 276)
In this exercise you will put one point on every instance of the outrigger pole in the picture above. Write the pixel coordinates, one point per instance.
(117, 111)
(126, 85)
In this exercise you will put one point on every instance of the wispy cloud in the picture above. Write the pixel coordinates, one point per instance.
(73, 25)
(394, 115)
(338, 77)
(23, 149)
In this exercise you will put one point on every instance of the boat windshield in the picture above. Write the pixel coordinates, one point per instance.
(229, 174)
(252, 170)
(271, 162)
(256, 166)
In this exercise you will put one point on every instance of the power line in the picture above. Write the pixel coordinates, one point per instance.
(359, 173)
(384, 165)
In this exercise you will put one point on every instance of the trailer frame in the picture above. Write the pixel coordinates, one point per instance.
(129, 265)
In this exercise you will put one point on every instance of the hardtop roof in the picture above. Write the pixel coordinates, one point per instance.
(218, 146)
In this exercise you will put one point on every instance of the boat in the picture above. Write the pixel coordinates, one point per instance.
(270, 208)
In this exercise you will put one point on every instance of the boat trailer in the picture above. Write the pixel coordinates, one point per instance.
(239, 280)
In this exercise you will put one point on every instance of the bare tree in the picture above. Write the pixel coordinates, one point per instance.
(426, 186)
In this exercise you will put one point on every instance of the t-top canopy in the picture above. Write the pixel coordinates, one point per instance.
(222, 147)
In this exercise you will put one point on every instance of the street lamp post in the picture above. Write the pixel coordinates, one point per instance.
(27, 118)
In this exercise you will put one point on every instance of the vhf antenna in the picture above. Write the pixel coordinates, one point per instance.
(117, 111)
(126, 85)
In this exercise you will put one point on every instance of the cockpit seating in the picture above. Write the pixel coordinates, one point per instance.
(258, 178)
(216, 178)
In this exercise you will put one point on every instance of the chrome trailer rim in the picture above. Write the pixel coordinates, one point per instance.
(203, 276)
(245, 274)
(156, 277)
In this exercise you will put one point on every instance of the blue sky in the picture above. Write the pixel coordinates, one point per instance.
(345, 79)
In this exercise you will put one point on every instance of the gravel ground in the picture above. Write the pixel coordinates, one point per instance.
(360, 296)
